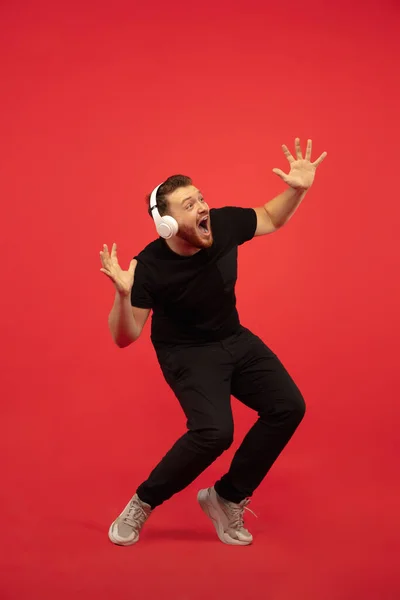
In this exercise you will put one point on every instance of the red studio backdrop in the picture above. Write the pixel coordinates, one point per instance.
(99, 103)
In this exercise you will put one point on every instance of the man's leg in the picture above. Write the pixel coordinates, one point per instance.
(261, 382)
(200, 377)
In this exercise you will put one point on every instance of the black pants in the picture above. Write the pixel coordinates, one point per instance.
(203, 379)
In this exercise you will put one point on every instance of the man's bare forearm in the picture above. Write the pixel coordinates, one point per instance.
(122, 324)
(282, 207)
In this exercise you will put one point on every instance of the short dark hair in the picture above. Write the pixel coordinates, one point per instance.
(170, 185)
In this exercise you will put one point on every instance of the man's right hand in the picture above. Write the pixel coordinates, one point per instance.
(123, 280)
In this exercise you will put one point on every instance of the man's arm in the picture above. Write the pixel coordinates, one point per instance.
(275, 213)
(125, 321)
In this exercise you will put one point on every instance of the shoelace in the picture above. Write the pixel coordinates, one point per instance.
(136, 515)
(236, 513)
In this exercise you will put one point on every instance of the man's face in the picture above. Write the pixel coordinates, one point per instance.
(188, 207)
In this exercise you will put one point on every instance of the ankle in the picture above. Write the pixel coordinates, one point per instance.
(147, 504)
(227, 501)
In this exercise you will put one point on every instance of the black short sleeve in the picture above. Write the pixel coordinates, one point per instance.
(140, 294)
(241, 223)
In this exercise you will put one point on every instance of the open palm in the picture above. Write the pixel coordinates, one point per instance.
(302, 170)
(123, 280)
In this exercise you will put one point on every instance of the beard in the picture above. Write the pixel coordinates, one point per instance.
(194, 237)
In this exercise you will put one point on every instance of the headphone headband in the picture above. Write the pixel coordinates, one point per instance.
(153, 197)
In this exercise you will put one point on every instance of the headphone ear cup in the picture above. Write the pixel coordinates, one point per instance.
(168, 227)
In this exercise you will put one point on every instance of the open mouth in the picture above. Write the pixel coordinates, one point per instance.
(204, 226)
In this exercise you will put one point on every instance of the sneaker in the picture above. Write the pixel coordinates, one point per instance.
(126, 528)
(227, 517)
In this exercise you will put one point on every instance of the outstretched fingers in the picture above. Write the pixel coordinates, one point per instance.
(132, 265)
(105, 257)
(107, 272)
(308, 150)
(298, 149)
(280, 174)
(320, 159)
(287, 153)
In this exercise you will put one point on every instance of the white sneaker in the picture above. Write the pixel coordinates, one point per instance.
(126, 528)
(227, 517)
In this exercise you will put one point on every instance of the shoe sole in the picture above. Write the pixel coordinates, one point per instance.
(119, 542)
(212, 513)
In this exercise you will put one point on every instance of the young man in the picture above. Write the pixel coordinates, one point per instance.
(187, 278)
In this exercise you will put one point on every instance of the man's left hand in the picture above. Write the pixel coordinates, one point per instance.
(302, 170)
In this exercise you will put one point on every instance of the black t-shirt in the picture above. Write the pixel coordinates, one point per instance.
(193, 297)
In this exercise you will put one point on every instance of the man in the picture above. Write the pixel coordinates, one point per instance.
(187, 278)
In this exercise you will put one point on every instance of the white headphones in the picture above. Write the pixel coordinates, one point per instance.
(166, 226)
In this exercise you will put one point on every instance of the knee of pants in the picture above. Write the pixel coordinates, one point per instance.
(297, 406)
(214, 440)
(289, 408)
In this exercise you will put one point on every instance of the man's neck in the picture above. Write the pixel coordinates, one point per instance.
(181, 247)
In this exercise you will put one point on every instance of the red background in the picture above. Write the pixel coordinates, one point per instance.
(99, 103)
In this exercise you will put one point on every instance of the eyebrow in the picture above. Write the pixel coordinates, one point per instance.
(190, 198)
